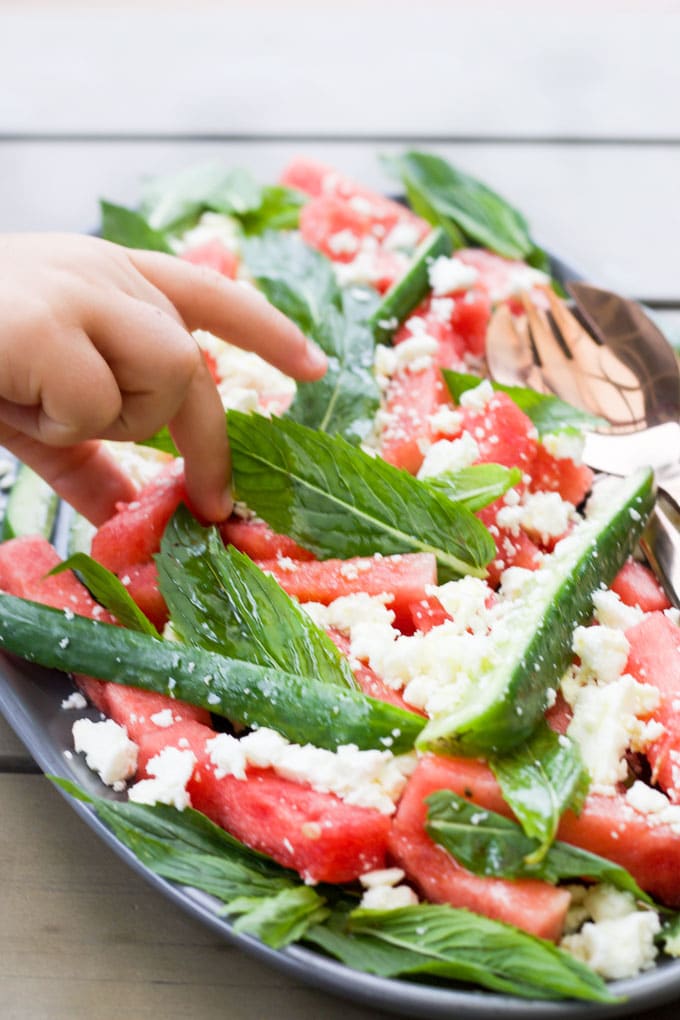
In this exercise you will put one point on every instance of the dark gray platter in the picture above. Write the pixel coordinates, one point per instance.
(30, 700)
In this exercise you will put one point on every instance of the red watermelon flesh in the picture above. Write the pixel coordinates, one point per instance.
(636, 585)
(317, 834)
(532, 905)
(654, 658)
(560, 474)
(412, 398)
(257, 540)
(405, 577)
(134, 533)
(141, 581)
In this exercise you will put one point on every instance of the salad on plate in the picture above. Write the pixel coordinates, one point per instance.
(415, 703)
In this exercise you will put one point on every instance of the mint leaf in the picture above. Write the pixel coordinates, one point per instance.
(539, 781)
(129, 228)
(279, 209)
(187, 848)
(487, 843)
(338, 501)
(548, 413)
(467, 209)
(220, 600)
(299, 708)
(476, 486)
(300, 282)
(459, 945)
(177, 199)
(109, 591)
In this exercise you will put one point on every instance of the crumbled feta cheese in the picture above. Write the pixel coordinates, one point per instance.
(519, 278)
(171, 770)
(211, 226)
(449, 455)
(654, 804)
(546, 514)
(477, 397)
(244, 370)
(610, 611)
(227, 755)
(448, 275)
(466, 602)
(606, 722)
(616, 948)
(414, 354)
(515, 582)
(349, 610)
(446, 420)
(565, 445)
(344, 243)
(107, 749)
(403, 236)
(74, 701)
(239, 398)
(603, 652)
(163, 719)
(383, 876)
(387, 897)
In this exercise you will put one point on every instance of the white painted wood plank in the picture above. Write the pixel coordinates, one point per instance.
(613, 211)
(83, 936)
(479, 69)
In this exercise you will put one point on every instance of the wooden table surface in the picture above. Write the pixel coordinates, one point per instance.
(574, 117)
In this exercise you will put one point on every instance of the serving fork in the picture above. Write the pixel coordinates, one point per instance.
(608, 358)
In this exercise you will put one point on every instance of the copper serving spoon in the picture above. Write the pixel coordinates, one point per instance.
(609, 359)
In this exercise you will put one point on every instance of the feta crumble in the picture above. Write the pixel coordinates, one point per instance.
(74, 701)
(449, 455)
(448, 275)
(108, 750)
(171, 771)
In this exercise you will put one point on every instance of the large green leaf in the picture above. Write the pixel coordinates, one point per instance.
(462, 205)
(340, 502)
(459, 945)
(187, 848)
(487, 843)
(220, 600)
(540, 780)
(300, 282)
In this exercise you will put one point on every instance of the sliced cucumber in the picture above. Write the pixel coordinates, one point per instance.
(80, 534)
(31, 506)
(410, 290)
(532, 644)
(303, 710)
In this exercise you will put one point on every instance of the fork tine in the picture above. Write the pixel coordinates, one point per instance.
(557, 369)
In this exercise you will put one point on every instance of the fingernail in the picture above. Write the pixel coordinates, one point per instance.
(315, 358)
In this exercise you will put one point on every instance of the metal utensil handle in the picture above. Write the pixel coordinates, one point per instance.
(661, 545)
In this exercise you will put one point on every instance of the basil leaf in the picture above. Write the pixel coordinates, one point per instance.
(129, 228)
(161, 440)
(539, 781)
(459, 945)
(476, 486)
(487, 843)
(109, 591)
(548, 413)
(220, 600)
(187, 848)
(303, 710)
(467, 209)
(338, 501)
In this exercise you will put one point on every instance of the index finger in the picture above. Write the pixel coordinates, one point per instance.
(239, 314)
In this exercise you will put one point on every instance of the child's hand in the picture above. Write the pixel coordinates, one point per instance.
(95, 344)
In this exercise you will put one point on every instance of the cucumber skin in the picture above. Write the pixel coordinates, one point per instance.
(29, 486)
(409, 291)
(302, 710)
(496, 726)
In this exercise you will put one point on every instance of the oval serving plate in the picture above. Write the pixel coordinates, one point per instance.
(30, 700)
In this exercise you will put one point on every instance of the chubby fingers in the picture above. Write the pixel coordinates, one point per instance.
(232, 311)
